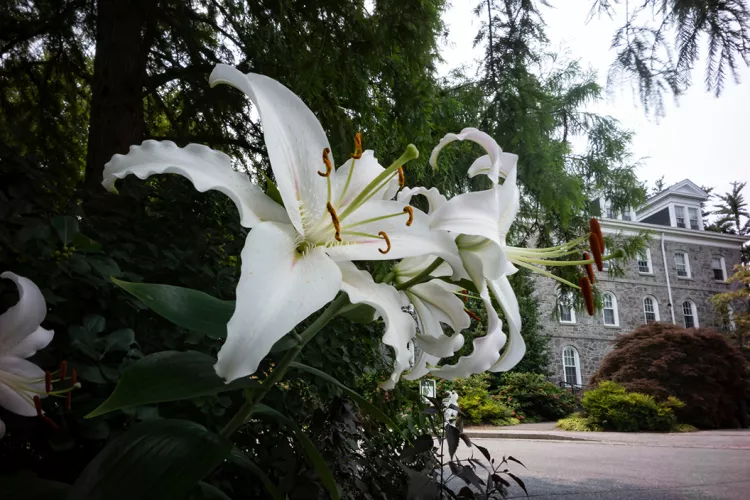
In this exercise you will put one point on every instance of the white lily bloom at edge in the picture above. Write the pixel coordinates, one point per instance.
(21, 336)
(294, 256)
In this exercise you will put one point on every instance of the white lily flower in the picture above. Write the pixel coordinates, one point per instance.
(290, 259)
(480, 222)
(21, 336)
(435, 303)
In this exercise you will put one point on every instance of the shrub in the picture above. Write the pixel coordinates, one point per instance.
(611, 407)
(477, 404)
(535, 398)
(578, 423)
(697, 366)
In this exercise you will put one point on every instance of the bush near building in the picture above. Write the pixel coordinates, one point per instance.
(697, 366)
(535, 398)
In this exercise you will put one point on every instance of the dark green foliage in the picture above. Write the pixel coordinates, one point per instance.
(610, 407)
(534, 398)
(697, 366)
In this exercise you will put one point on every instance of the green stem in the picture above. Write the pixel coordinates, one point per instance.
(421, 276)
(255, 397)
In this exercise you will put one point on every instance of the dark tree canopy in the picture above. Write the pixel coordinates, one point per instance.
(698, 366)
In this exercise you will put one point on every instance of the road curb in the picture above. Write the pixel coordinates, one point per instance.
(522, 435)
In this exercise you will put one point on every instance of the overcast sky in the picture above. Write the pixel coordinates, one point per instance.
(702, 138)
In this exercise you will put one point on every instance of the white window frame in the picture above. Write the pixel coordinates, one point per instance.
(697, 218)
(679, 209)
(655, 304)
(614, 310)
(723, 269)
(605, 264)
(694, 310)
(577, 363)
(685, 255)
(572, 312)
(646, 253)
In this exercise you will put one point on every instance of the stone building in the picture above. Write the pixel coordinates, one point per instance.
(682, 267)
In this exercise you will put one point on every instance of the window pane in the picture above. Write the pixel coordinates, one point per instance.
(607, 301)
(609, 317)
(571, 375)
(679, 213)
(679, 260)
(569, 357)
(717, 269)
(693, 212)
(687, 310)
(643, 263)
(565, 314)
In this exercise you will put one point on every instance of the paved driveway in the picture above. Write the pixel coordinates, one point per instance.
(704, 465)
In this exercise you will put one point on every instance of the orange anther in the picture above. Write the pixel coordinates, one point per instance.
(596, 249)
(401, 177)
(63, 370)
(68, 401)
(335, 219)
(38, 406)
(357, 146)
(597, 230)
(410, 211)
(383, 235)
(588, 294)
(327, 162)
(589, 267)
(73, 377)
(473, 315)
(47, 382)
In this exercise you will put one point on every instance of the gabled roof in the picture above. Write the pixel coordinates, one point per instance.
(685, 189)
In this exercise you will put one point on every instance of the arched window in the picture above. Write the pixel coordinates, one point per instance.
(610, 310)
(651, 309)
(571, 366)
(690, 312)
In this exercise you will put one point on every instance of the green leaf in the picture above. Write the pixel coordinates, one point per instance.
(24, 486)
(85, 244)
(168, 376)
(205, 491)
(310, 450)
(361, 401)
(66, 227)
(105, 266)
(119, 340)
(358, 313)
(158, 459)
(238, 458)
(272, 191)
(184, 307)
(92, 325)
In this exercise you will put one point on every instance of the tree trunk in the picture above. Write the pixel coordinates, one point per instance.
(116, 119)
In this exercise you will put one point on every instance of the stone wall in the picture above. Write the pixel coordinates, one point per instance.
(593, 339)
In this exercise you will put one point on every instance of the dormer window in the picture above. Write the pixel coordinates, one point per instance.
(679, 215)
(693, 214)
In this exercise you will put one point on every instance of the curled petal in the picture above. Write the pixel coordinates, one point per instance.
(33, 343)
(422, 366)
(206, 168)
(278, 288)
(435, 199)
(294, 138)
(24, 318)
(399, 325)
(496, 163)
(515, 348)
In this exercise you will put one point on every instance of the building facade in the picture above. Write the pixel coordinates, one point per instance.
(671, 281)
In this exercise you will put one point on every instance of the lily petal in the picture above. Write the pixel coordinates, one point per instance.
(406, 241)
(497, 162)
(278, 288)
(294, 138)
(23, 319)
(20, 381)
(33, 343)
(483, 259)
(435, 199)
(399, 325)
(515, 349)
(446, 306)
(206, 168)
(366, 169)
(485, 353)
(421, 368)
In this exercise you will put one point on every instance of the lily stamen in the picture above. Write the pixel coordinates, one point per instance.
(48, 381)
(63, 369)
(357, 146)
(596, 250)
(384, 235)
(410, 211)
(401, 177)
(327, 162)
(589, 268)
(473, 315)
(596, 228)
(588, 294)
(335, 219)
